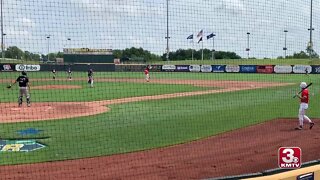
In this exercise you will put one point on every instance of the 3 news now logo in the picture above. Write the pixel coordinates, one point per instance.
(289, 157)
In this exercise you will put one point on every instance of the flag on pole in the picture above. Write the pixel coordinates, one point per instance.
(190, 37)
(200, 34)
(210, 36)
(200, 40)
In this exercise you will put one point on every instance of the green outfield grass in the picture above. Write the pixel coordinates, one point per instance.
(101, 91)
(165, 75)
(151, 124)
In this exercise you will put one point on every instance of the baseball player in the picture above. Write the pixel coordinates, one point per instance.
(24, 88)
(53, 73)
(304, 100)
(69, 74)
(146, 73)
(90, 77)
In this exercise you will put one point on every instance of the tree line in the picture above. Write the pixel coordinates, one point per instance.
(301, 55)
(139, 54)
(13, 52)
(186, 54)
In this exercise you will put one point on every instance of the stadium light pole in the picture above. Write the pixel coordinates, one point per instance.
(2, 34)
(310, 44)
(248, 44)
(4, 43)
(167, 37)
(285, 43)
(48, 37)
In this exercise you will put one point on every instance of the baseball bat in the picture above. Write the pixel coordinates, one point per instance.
(302, 90)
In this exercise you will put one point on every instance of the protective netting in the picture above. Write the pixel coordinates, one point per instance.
(156, 89)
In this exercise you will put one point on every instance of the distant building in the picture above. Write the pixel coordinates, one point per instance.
(86, 55)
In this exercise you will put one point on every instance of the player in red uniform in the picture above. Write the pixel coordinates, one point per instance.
(304, 100)
(146, 73)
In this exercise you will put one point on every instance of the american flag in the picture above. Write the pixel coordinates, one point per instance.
(200, 34)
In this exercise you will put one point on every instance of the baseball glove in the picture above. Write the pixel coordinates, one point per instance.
(9, 86)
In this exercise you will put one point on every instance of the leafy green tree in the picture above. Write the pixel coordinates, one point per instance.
(311, 52)
(35, 57)
(14, 52)
(299, 55)
(53, 56)
(27, 56)
(59, 55)
(117, 53)
(135, 54)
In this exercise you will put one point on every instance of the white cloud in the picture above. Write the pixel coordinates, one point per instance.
(26, 22)
(126, 23)
(235, 6)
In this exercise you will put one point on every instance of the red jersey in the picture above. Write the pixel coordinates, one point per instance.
(305, 93)
(146, 71)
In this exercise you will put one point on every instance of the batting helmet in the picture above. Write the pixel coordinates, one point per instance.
(24, 73)
(303, 85)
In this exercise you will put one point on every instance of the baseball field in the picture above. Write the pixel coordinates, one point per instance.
(178, 125)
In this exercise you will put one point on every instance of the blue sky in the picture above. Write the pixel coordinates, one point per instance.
(119, 24)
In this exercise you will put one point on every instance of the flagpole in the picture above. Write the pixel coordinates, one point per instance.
(192, 48)
(213, 47)
(202, 51)
(167, 37)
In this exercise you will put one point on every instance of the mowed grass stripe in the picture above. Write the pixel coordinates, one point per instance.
(152, 124)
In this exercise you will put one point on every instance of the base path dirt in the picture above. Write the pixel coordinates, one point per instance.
(248, 150)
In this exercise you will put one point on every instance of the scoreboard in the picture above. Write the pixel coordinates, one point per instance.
(86, 55)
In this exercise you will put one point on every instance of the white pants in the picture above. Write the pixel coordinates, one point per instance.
(302, 113)
(23, 91)
(91, 81)
(147, 77)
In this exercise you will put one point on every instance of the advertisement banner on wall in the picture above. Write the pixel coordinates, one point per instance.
(282, 69)
(24, 67)
(315, 69)
(248, 68)
(302, 69)
(206, 68)
(7, 67)
(268, 69)
(194, 68)
(182, 68)
(168, 68)
(232, 68)
(218, 68)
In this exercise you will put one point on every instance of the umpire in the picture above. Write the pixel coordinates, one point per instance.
(24, 88)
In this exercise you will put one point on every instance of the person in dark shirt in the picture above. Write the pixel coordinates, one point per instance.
(24, 88)
(69, 74)
(90, 77)
(54, 73)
